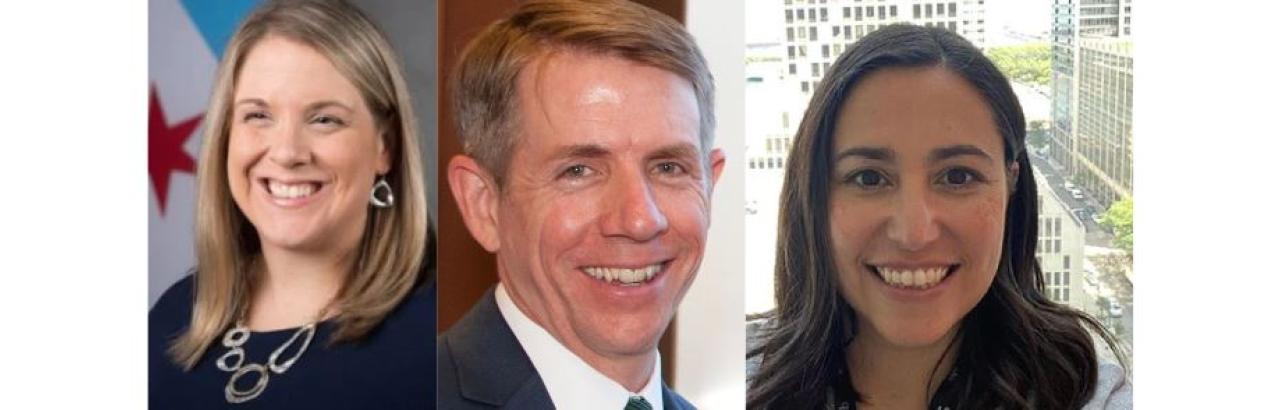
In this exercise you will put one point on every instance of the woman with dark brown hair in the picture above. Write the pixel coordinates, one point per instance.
(906, 274)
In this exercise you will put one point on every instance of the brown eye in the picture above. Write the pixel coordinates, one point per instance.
(867, 179)
(959, 178)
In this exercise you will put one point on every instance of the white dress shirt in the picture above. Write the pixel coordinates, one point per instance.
(570, 381)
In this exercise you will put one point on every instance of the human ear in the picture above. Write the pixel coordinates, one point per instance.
(476, 193)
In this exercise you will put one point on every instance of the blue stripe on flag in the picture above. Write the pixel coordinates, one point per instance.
(218, 19)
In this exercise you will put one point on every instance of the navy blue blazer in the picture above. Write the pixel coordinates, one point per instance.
(482, 366)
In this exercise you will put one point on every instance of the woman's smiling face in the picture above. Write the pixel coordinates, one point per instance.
(304, 149)
(918, 195)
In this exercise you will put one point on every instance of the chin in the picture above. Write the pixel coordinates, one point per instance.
(635, 337)
(913, 336)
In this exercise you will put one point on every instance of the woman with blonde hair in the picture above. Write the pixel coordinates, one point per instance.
(314, 278)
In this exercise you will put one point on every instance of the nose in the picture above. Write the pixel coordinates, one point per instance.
(635, 211)
(913, 225)
(289, 147)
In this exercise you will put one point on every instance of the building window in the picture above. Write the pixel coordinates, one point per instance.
(800, 14)
(814, 66)
(893, 11)
(791, 52)
(846, 12)
(915, 11)
(928, 12)
(804, 86)
(848, 34)
(791, 68)
(880, 12)
(858, 14)
(951, 25)
(951, 10)
(790, 16)
(1066, 261)
(826, 51)
(824, 15)
(791, 34)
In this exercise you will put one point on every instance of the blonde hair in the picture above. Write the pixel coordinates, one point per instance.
(390, 256)
(484, 81)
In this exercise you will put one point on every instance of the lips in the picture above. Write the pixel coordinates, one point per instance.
(918, 278)
(624, 276)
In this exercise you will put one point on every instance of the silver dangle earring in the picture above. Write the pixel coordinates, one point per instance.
(382, 185)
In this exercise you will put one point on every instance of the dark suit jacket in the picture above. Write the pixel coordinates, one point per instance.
(483, 366)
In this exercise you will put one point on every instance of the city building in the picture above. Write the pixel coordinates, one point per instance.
(817, 31)
(1060, 250)
(1092, 81)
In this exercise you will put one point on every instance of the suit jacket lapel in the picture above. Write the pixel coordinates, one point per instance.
(492, 366)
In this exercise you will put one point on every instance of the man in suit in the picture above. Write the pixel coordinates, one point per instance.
(589, 167)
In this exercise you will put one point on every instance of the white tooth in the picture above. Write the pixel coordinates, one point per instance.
(897, 277)
(917, 278)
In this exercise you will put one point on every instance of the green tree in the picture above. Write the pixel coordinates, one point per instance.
(1024, 63)
(1119, 218)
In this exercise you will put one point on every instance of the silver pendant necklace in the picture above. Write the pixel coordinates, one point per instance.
(235, 339)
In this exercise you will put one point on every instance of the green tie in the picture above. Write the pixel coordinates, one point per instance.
(637, 403)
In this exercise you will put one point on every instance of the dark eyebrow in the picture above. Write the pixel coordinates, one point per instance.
(678, 150)
(882, 154)
(953, 151)
(581, 151)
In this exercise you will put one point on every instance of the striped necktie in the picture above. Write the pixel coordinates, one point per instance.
(637, 403)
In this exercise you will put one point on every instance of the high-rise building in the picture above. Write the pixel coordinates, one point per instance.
(1092, 81)
(817, 31)
(1104, 126)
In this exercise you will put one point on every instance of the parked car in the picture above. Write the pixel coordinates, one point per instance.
(1077, 193)
(1116, 310)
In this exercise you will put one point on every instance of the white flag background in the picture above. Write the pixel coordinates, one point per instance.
(185, 40)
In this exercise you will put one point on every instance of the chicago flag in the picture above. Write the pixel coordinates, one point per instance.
(185, 40)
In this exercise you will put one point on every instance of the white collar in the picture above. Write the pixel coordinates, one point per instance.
(570, 381)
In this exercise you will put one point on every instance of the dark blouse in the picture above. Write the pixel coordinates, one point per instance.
(392, 368)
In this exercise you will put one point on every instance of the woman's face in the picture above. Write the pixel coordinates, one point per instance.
(917, 204)
(304, 150)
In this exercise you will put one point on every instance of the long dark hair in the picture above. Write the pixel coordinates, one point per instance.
(1017, 348)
